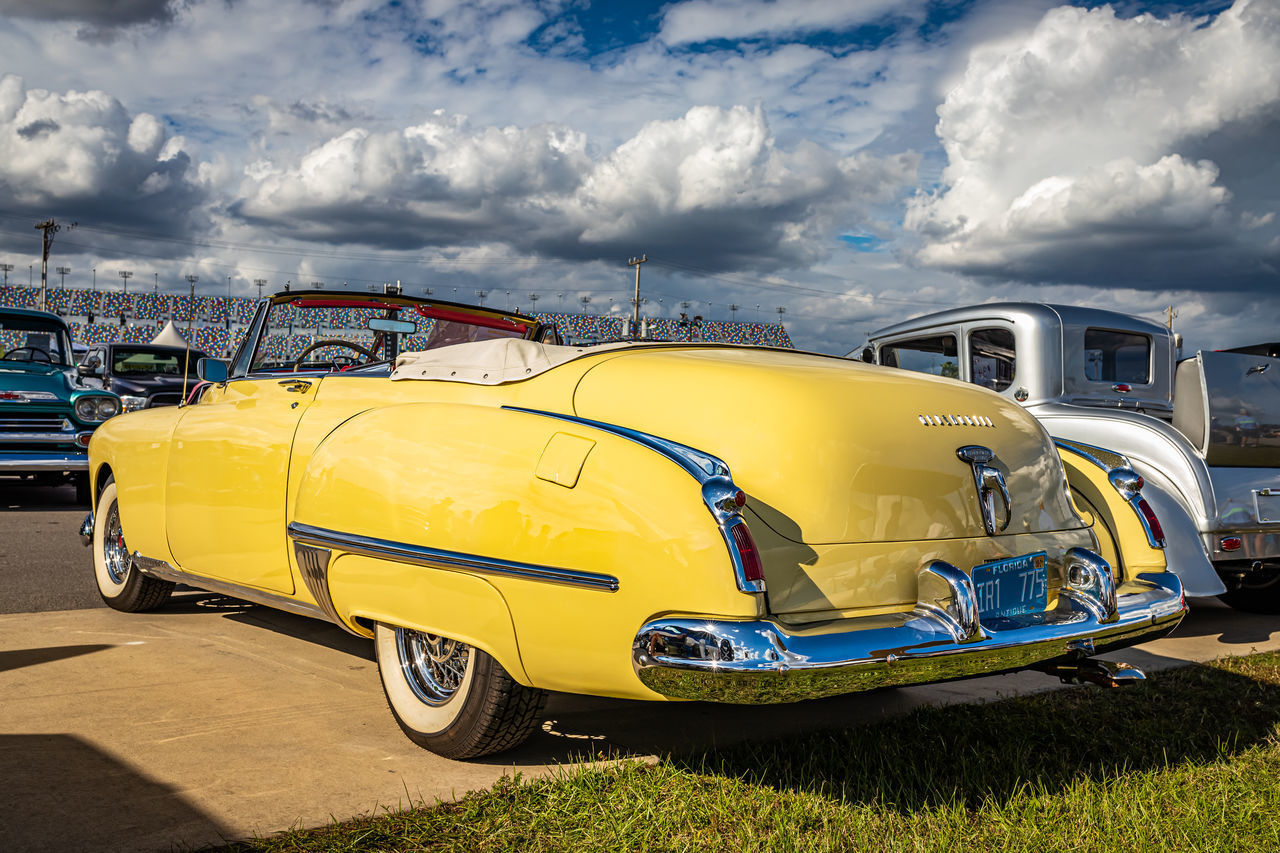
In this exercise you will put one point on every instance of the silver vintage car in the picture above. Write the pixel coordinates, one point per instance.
(1203, 432)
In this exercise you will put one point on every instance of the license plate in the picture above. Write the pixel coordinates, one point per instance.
(1011, 587)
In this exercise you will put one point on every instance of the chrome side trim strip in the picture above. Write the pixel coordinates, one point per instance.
(164, 571)
(710, 472)
(701, 466)
(1103, 458)
(435, 558)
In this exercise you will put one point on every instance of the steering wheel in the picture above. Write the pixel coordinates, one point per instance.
(372, 356)
(34, 351)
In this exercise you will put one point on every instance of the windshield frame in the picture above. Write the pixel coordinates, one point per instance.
(249, 359)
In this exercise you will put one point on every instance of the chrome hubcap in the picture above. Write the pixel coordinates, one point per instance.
(433, 666)
(114, 552)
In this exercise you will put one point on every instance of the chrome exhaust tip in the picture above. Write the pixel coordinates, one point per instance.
(1102, 673)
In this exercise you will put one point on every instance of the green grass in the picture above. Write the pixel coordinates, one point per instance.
(1189, 761)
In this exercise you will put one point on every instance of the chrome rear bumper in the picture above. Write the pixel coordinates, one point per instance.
(763, 661)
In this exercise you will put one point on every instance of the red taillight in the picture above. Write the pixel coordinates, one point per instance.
(1231, 543)
(1152, 522)
(1121, 387)
(740, 497)
(751, 568)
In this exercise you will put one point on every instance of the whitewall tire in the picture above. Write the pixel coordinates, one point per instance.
(452, 698)
(121, 584)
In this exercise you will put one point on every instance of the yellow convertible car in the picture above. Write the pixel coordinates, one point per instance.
(504, 516)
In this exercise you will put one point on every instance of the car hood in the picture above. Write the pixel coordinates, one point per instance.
(833, 451)
(46, 378)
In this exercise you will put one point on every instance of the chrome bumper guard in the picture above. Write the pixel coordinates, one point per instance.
(760, 662)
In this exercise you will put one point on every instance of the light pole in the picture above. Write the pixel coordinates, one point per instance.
(533, 297)
(7, 268)
(228, 287)
(156, 288)
(125, 275)
(733, 313)
(427, 291)
(317, 285)
(585, 300)
(781, 310)
(62, 271)
(261, 283)
(482, 294)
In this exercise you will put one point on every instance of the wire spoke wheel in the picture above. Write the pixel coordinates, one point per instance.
(451, 697)
(433, 666)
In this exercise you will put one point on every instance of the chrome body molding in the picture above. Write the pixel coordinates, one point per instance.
(313, 565)
(165, 571)
(712, 474)
(51, 461)
(436, 558)
(1122, 477)
(764, 661)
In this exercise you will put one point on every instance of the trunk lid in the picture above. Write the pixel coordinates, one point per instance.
(834, 451)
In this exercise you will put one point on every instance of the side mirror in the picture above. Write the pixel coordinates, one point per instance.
(869, 355)
(212, 369)
(90, 367)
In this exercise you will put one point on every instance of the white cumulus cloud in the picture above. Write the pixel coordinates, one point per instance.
(711, 186)
(1076, 151)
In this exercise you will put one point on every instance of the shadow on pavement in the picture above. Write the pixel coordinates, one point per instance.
(18, 658)
(1209, 617)
(101, 803)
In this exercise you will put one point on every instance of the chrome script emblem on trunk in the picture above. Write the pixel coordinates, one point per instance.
(990, 483)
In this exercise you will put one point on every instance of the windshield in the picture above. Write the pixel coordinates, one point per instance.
(32, 340)
(324, 333)
(140, 362)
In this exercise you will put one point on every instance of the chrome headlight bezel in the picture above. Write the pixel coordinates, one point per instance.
(96, 408)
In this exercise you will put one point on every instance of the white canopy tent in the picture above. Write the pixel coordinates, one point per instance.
(170, 336)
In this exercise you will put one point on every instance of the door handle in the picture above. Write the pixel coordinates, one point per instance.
(300, 386)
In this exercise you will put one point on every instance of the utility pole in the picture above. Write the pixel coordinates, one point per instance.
(260, 282)
(1170, 314)
(635, 302)
(47, 230)
(6, 268)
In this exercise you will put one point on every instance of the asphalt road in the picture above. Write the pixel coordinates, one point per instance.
(43, 565)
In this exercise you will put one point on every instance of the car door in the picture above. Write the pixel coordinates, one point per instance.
(227, 480)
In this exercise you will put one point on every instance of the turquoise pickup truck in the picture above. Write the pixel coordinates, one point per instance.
(46, 415)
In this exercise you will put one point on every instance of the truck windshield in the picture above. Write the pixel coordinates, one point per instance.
(1111, 356)
(33, 340)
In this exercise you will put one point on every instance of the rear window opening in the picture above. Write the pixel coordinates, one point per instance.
(1111, 356)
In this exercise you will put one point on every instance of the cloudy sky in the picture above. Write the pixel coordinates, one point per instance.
(855, 162)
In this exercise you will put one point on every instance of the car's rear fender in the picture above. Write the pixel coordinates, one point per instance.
(584, 534)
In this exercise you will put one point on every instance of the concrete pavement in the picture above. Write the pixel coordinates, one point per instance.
(214, 719)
